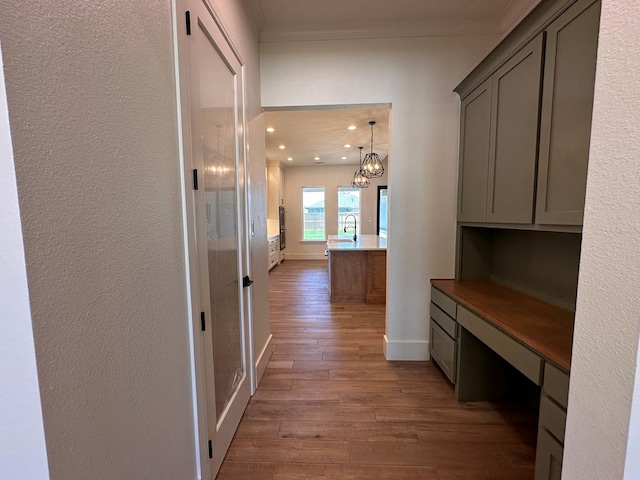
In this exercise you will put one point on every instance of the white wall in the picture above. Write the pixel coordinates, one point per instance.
(92, 108)
(23, 452)
(417, 76)
(93, 119)
(331, 178)
(607, 328)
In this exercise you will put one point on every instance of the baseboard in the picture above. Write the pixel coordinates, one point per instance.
(305, 256)
(263, 359)
(413, 350)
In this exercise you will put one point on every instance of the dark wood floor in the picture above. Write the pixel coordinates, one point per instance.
(330, 407)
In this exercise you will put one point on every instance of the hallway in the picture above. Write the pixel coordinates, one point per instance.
(329, 406)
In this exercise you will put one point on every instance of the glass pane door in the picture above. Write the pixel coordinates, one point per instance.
(218, 120)
(211, 95)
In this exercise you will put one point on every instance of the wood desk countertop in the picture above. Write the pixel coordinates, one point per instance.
(545, 328)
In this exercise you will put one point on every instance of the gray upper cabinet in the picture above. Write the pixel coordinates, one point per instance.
(475, 127)
(567, 103)
(514, 136)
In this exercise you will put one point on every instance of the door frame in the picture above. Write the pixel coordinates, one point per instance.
(192, 275)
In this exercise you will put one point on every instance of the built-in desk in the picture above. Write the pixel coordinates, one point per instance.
(542, 327)
(483, 334)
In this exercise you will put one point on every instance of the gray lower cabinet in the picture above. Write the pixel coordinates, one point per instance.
(548, 457)
(475, 131)
(513, 149)
(443, 350)
(443, 333)
(551, 425)
(567, 104)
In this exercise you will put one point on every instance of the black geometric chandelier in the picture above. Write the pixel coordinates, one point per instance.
(359, 178)
(372, 166)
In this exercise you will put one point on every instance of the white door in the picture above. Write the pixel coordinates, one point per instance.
(216, 116)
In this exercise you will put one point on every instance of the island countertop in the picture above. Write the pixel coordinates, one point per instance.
(364, 242)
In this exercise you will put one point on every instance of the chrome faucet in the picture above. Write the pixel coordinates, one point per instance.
(355, 225)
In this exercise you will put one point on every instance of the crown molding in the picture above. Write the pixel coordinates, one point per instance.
(381, 29)
(515, 12)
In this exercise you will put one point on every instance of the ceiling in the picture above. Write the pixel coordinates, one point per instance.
(323, 132)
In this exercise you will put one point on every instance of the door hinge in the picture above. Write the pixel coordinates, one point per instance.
(246, 281)
(203, 323)
(210, 449)
(187, 15)
(195, 178)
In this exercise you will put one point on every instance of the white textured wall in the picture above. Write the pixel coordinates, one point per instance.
(23, 452)
(417, 76)
(331, 178)
(92, 110)
(607, 327)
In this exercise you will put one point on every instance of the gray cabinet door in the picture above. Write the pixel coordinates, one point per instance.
(514, 136)
(567, 103)
(443, 350)
(475, 126)
(548, 457)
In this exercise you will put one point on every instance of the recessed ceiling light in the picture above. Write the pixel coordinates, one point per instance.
(347, 145)
(351, 127)
(316, 158)
(290, 159)
(271, 129)
(344, 158)
(282, 147)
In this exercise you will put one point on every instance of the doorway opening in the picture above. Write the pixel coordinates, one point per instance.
(312, 154)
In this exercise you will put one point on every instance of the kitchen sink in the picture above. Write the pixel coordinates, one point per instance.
(335, 238)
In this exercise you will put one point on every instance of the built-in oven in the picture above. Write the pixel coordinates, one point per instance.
(282, 229)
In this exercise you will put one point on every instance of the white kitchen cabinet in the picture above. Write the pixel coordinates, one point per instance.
(275, 189)
(274, 251)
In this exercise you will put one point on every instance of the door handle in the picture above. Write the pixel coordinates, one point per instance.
(246, 282)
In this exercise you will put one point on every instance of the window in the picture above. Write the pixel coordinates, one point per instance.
(383, 213)
(348, 204)
(313, 213)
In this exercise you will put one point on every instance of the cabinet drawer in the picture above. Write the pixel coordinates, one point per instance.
(527, 362)
(443, 350)
(556, 384)
(448, 324)
(445, 303)
(552, 418)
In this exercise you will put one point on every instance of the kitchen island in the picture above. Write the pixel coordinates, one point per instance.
(357, 269)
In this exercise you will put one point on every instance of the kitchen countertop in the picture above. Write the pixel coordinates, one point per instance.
(364, 242)
(273, 228)
(545, 328)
